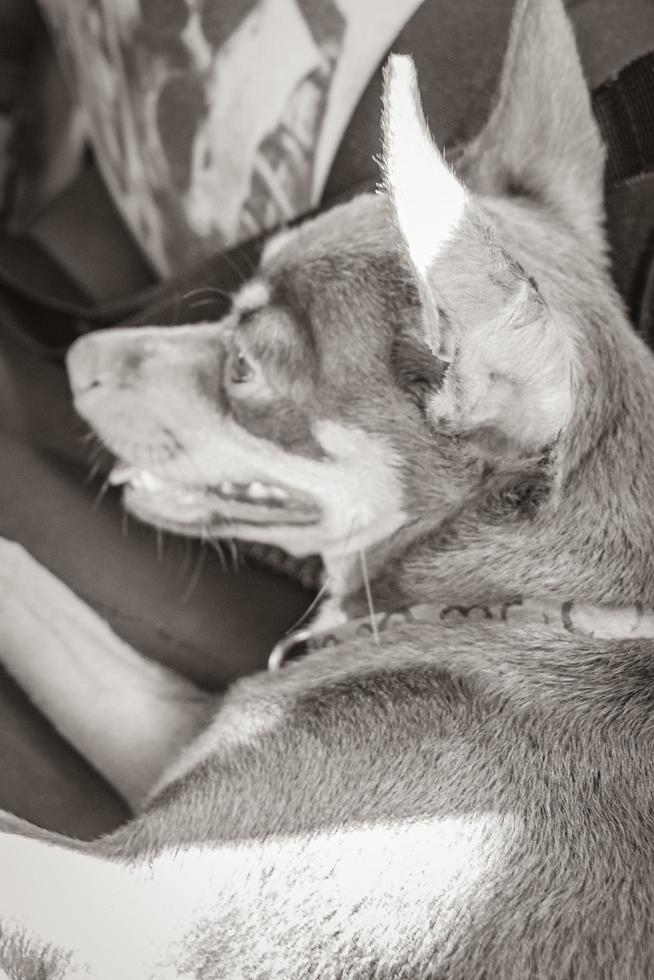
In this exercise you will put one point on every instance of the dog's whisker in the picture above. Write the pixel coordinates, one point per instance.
(208, 301)
(94, 470)
(366, 584)
(95, 453)
(91, 475)
(195, 575)
(234, 553)
(215, 543)
(241, 275)
(100, 494)
(186, 557)
(206, 290)
(251, 264)
(159, 544)
(310, 608)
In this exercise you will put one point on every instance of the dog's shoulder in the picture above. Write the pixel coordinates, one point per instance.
(382, 702)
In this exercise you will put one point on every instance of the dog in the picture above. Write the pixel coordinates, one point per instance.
(436, 388)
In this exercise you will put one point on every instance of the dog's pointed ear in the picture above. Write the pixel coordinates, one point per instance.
(428, 200)
(541, 140)
(512, 367)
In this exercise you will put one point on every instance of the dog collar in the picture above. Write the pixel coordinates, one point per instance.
(600, 622)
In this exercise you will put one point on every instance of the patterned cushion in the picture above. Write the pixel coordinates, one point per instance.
(212, 121)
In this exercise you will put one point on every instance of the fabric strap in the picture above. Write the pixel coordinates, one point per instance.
(624, 108)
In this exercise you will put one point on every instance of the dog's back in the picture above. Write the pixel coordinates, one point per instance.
(465, 416)
(481, 810)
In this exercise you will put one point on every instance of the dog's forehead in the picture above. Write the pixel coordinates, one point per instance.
(341, 269)
(362, 224)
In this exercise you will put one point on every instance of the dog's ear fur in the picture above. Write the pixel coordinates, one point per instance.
(513, 360)
(511, 369)
(541, 140)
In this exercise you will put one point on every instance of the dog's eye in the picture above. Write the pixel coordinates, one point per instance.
(243, 375)
(240, 370)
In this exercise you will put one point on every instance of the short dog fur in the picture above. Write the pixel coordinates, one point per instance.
(436, 388)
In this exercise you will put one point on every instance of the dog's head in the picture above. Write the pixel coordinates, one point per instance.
(391, 353)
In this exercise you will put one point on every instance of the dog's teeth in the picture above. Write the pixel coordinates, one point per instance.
(140, 479)
(122, 473)
(257, 490)
(277, 493)
(144, 480)
(189, 497)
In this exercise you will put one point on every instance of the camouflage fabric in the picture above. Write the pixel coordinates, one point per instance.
(213, 120)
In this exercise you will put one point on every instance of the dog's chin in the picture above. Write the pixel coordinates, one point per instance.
(220, 510)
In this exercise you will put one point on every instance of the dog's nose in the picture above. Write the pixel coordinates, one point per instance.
(82, 364)
(104, 357)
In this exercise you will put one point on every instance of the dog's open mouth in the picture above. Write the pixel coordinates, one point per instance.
(182, 506)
